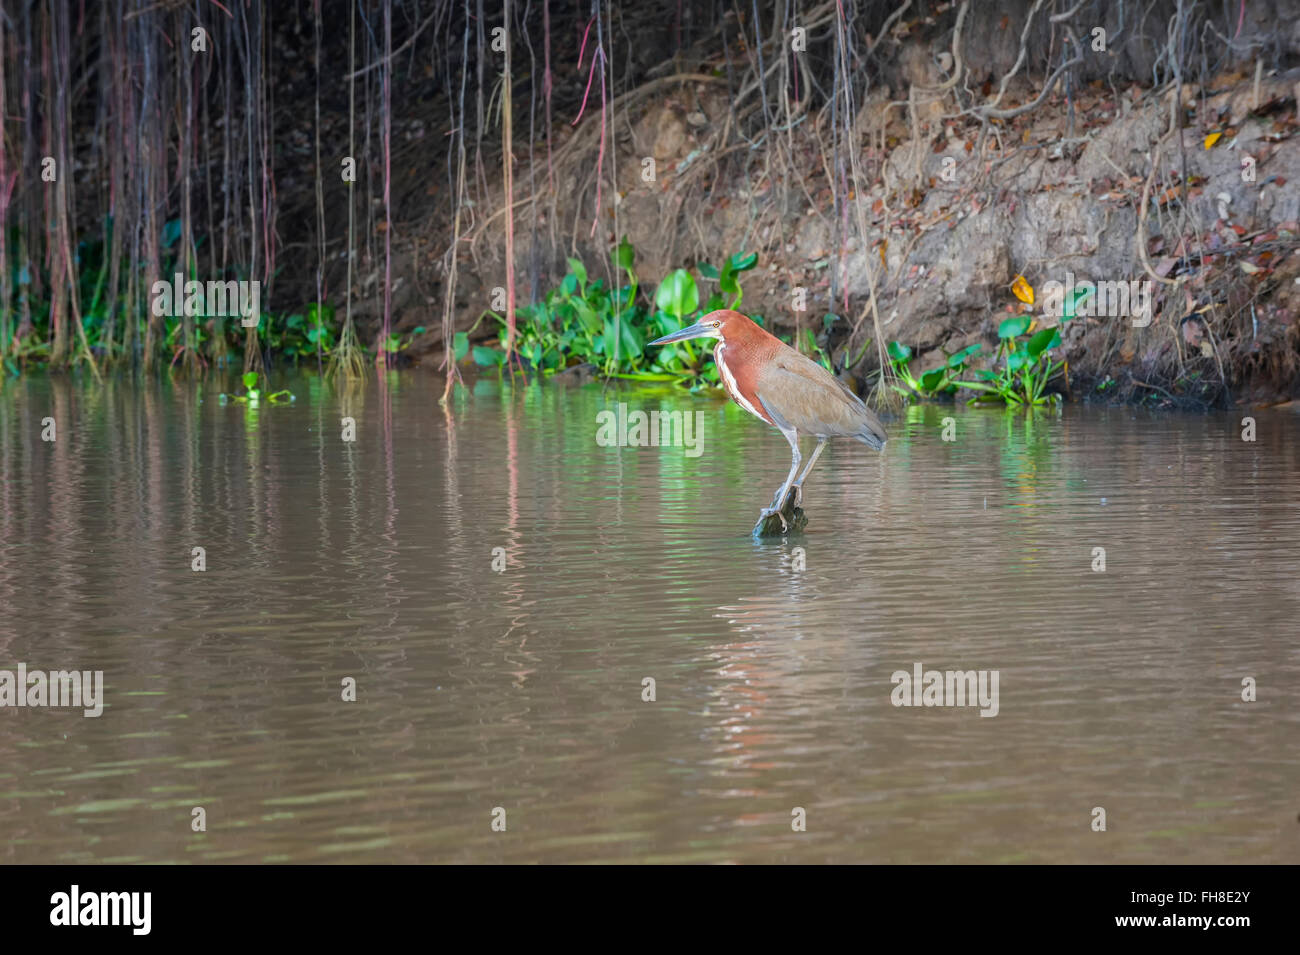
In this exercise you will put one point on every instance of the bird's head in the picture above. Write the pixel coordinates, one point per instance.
(723, 323)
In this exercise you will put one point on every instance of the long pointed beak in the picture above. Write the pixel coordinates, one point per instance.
(698, 330)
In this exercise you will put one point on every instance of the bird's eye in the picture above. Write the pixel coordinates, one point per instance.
(717, 324)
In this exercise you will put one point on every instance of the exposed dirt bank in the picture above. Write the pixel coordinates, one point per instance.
(957, 212)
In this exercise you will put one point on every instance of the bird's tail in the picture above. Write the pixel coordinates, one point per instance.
(873, 435)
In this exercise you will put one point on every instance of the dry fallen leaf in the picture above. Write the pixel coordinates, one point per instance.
(1022, 290)
(1211, 139)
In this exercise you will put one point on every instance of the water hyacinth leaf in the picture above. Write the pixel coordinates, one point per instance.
(678, 294)
(1072, 302)
(931, 379)
(899, 352)
(587, 314)
(708, 271)
(569, 284)
(171, 231)
(958, 359)
(249, 378)
(625, 255)
(1022, 290)
(741, 262)
(610, 336)
(1018, 359)
(1012, 327)
(1042, 340)
(579, 271)
(633, 342)
(488, 357)
(727, 280)
(460, 345)
(829, 319)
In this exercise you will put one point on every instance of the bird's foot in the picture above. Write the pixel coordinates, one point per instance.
(767, 512)
(798, 494)
(780, 521)
(781, 502)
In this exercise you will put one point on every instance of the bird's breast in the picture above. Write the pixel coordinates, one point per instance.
(733, 387)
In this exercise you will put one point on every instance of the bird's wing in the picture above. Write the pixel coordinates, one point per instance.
(814, 401)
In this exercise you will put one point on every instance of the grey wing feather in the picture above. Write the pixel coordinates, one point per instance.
(814, 401)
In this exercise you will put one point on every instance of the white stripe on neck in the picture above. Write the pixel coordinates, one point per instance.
(729, 381)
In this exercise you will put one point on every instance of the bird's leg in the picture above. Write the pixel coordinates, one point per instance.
(778, 502)
(798, 484)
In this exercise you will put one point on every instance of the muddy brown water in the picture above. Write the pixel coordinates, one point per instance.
(521, 689)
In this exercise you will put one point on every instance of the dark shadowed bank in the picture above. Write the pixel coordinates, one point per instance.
(911, 173)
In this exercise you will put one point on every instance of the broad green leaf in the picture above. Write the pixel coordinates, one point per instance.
(171, 231)
(609, 337)
(624, 254)
(727, 279)
(633, 341)
(249, 379)
(1042, 340)
(460, 345)
(487, 357)
(899, 352)
(579, 271)
(741, 262)
(1018, 359)
(677, 294)
(1013, 327)
(708, 271)
(1073, 301)
(930, 380)
(590, 320)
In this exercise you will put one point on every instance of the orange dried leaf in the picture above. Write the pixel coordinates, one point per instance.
(1022, 290)
(1211, 139)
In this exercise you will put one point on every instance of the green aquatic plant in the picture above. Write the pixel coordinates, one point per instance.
(252, 395)
(583, 321)
(937, 382)
(1022, 366)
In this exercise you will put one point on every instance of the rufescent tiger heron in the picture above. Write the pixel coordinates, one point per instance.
(789, 391)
